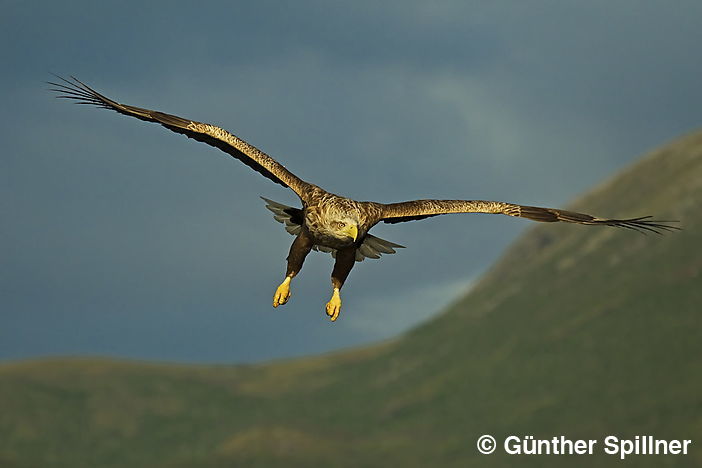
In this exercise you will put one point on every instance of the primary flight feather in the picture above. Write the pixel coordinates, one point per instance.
(329, 222)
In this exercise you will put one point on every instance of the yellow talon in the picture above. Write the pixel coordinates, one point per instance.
(282, 294)
(334, 305)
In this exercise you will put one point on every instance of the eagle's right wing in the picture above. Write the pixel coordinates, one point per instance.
(206, 133)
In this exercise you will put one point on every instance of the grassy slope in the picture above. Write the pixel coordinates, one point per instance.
(579, 331)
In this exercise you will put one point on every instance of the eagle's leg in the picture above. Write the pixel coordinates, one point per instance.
(299, 249)
(345, 259)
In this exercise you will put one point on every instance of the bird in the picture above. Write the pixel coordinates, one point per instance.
(325, 221)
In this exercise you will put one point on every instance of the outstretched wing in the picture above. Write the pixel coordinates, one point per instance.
(420, 209)
(212, 135)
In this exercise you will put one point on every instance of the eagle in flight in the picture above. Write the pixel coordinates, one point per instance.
(327, 222)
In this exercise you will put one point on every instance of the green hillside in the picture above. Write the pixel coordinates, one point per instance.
(577, 331)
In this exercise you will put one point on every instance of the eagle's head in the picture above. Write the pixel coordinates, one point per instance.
(335, 231)
(344, 229)
(334, 225)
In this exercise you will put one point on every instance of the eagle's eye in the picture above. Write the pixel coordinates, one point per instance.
(339, 224)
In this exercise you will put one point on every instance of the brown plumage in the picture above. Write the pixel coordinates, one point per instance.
(328, 222)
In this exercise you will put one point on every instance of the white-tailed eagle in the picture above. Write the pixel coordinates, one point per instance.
(329, 222)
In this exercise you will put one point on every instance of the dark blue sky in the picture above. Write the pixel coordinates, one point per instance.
(121, 238)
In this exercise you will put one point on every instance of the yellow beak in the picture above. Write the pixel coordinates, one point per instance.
(351, 231)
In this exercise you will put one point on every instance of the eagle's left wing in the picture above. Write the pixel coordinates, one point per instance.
(206, 133)
(420, 209)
